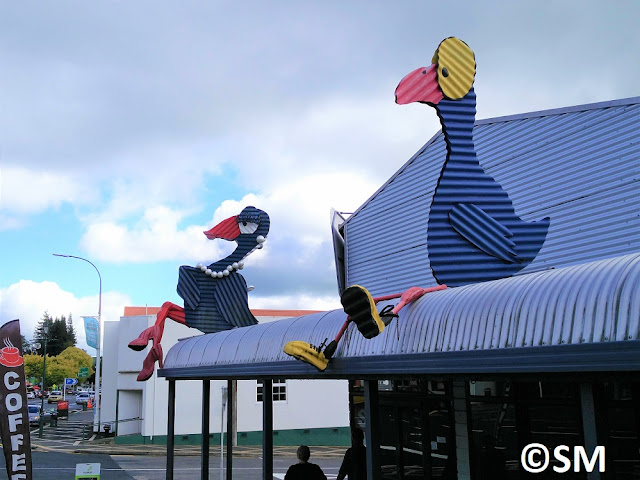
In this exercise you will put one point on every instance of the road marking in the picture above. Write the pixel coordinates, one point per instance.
(280, 476)
(44, 449)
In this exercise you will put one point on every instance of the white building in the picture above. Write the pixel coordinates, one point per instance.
(312, 412)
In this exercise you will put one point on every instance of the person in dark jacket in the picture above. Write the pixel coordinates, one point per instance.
(303, 470)
(354, 464)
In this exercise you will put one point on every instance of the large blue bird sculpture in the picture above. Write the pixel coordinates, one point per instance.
(215, 296)
(473, 232)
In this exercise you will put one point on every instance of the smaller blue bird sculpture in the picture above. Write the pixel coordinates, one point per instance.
(473, 232)
(215, 296)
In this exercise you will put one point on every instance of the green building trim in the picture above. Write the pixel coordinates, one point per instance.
(338, 436)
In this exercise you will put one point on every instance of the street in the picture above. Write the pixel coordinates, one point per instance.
(49, 466)
(57, 466)
(55, 456)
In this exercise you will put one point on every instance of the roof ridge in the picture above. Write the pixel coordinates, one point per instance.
(560, 110)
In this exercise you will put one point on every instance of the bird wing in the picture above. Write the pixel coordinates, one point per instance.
(482, 230)
(188, 288)
(233, 302)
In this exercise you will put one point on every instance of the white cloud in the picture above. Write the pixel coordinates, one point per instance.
(27, 301)
(154, 237)
(365, 134)
(8, 222)
(31, 191)
(295, 302)
(299, 212)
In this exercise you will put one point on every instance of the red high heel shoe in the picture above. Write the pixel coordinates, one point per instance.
(148, 365)
(141, 342)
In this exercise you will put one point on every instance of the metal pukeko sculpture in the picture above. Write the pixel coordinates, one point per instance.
(215, 296)
(473, 232)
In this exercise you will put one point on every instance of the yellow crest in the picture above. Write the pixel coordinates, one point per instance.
(456, 67)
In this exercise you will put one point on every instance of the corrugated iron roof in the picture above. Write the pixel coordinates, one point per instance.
(579, 165)
(505, 323)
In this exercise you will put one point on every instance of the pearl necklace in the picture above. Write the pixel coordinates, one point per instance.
(234, 266)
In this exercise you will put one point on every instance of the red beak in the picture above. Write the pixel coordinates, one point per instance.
(421, 85)
(227, 230)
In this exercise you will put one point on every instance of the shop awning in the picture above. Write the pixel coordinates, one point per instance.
(575, 319)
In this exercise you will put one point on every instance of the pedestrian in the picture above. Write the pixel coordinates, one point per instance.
(303, 470)
(354, 463)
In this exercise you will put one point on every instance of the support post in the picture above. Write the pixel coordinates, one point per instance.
(589, 424)
(461, 429)
(206, 415)
(235, 412)
(117, 407)
(231, 406)
(171, 423)
(267, 429)
(371, 410)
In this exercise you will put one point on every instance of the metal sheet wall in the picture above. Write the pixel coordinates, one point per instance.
(580, 166)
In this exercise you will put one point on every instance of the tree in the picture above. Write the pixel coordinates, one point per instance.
(26, 345)
(33, 366)
(38, 334)
(71, 333)
(79, 358)
(58, 369)
(65, 365)
(61, 334)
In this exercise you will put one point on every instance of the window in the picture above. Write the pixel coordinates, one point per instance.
(279, 390)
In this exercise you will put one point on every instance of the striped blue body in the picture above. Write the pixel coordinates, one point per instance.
(214, 304)
(473, 232)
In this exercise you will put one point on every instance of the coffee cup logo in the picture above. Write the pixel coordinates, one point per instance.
(10, 355)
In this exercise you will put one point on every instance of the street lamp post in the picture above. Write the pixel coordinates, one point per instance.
(45, 330)
(96, 412)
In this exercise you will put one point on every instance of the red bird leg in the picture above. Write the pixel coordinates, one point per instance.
(333, 345)
(406, 297)
(168, 310)
(413, 294)
(330, 349)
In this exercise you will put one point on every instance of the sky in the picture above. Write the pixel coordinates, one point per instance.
(129, 128)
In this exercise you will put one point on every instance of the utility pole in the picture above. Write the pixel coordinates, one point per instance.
(96, 411)
(45, 330)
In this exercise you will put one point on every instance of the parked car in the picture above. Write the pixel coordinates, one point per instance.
(54, 396)
(31, 395)
(83, 397)
(34, 414)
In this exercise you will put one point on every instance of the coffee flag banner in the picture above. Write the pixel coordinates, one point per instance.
(14, 414)
(91, 329)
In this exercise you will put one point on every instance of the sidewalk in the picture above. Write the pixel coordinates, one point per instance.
(67, 438)
(108, 447)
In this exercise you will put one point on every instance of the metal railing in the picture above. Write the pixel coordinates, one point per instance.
(108, 427)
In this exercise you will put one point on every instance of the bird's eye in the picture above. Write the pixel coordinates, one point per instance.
(248, 227)
(445, 72)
